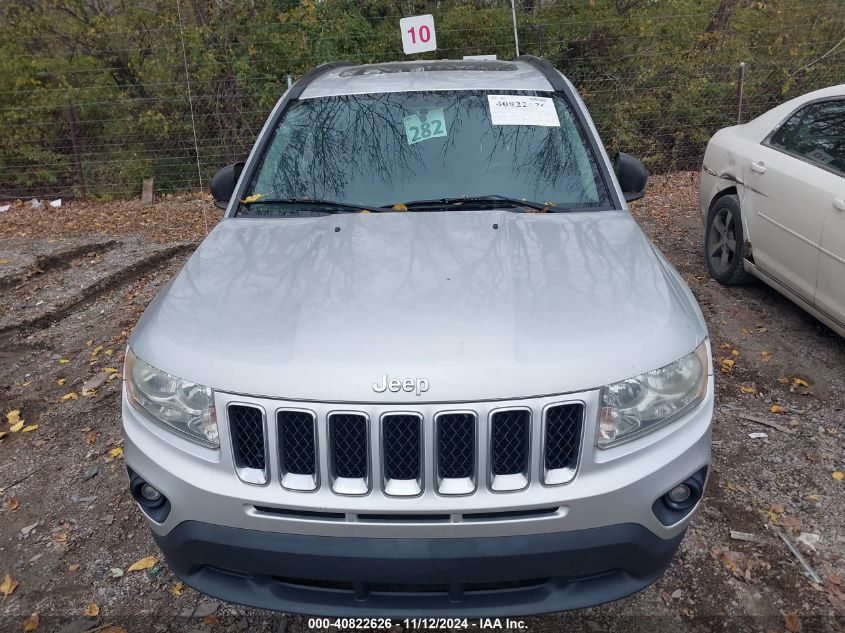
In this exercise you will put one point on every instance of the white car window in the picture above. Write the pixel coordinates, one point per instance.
(816, 133)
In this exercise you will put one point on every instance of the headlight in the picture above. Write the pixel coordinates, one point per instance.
(179, 405)
(632, 407)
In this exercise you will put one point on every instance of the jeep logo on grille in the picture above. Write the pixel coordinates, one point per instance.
(418, 385)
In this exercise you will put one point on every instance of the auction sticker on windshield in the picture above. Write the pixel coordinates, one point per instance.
(519, 110)
(422, 126)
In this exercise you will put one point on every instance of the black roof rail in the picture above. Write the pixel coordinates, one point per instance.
(301, 84)
(546, 68)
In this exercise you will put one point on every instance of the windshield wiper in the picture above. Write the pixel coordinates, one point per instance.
(492, 202)
(326, 206)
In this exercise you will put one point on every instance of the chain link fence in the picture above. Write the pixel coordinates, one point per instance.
(181, 93)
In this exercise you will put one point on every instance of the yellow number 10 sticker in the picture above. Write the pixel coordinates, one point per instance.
(423, 126)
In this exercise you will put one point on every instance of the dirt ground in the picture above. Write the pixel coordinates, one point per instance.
(74, 281)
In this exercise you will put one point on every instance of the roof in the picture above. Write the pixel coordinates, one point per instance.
(469, 74)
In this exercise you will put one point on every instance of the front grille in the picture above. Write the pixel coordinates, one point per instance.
(348, 437)
(297, 445)
(455, 445)
(247, 428)
(562, 437)
(402, 446)
(479, 446)
(509, 451)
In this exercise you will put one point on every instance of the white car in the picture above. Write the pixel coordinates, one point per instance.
(773, 200)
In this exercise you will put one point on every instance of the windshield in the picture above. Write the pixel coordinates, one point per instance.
(382, 150)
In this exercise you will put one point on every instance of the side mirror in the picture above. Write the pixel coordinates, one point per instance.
(632, 176)
(223, 184)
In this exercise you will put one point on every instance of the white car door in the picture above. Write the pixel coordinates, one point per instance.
(830, 151)
(788, 196)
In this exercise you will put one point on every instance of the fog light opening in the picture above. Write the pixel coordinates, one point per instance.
(677, 502)
(151, 500)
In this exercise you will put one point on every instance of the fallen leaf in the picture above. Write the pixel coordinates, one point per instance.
(26, 384)
(776, 408)
(837, 475)
(13, 503)
(766, 356)
(29, 429)
(91, 438)
(783, 381)
(61, 381)
(69, 396)
(63, 361)
(31, 623)
(17, 427)
(116, 452)
(836, 597)
(61, 537)
(210, 619)
(108, 352)
(770, 515)
(144, 563)
(399, 207)
(5, 262)
(726, 346)
(110, 370)
(748, 389)
(89, 342)
(8, 586)
(13, 417)
(177, 589)
(734, 352)
(93, 610)
(74, 567)
(792, 622)
(800, 382)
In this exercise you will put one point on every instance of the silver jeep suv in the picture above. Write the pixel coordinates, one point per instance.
(426, 364)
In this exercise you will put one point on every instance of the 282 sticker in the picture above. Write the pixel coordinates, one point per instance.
(422, 126)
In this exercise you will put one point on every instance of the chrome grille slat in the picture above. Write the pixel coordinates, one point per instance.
(402, 453)
(249, 451)
(349, 449)
(297, 439)
(561, 441)
(510, 441)
(456, 459)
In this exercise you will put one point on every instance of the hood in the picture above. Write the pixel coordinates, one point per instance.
(478, 304)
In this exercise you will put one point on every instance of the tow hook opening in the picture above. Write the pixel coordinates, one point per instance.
(680, 499)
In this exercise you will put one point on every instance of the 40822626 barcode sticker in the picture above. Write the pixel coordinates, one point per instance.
(519, 110)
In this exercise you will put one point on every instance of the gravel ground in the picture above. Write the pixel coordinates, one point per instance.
(73, 283)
